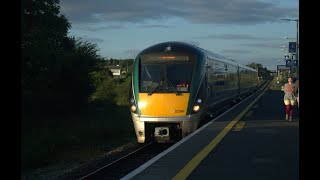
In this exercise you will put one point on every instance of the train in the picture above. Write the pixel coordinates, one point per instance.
(176, 84)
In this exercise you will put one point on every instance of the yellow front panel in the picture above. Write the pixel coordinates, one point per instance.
(163, 104)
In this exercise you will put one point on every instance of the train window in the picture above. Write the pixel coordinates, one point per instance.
(150, 79)
(178, 76)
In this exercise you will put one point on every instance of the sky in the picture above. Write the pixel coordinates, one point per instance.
(244, 30)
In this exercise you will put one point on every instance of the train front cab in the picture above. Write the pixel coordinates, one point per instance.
(162, 86)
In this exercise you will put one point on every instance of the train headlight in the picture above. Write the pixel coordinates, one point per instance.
(196, 108)
(133, 108)
(142, 104)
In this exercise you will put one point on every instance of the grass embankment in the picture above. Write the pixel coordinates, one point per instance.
(62, 141)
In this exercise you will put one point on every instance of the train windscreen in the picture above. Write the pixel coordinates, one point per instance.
(151, 77)
(178, 77)
(165, 77)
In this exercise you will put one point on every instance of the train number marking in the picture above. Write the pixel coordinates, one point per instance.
(178, 111)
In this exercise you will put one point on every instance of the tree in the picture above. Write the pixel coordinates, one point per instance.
(262, 71)
(43, 31)
(54, 67)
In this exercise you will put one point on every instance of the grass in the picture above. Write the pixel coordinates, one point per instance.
(63, 141)
(276, 86)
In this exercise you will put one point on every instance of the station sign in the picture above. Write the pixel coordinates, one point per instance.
(292, 47)
(282, 67)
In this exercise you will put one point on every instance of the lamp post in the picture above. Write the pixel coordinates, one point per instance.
(297, 45)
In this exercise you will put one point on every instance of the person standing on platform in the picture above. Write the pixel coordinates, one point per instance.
(289, 98)
(297, 96)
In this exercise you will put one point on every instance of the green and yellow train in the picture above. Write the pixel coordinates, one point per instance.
(176, 84)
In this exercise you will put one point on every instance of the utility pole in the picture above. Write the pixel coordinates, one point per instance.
(297, 43)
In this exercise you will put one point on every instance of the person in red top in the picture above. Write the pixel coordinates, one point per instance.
(289, 97)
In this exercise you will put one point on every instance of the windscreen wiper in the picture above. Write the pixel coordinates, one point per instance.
(153, 90)
(171, 85)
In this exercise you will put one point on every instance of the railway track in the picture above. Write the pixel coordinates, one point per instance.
(119, 167)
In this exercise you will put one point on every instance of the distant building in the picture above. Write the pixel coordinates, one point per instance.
(116, 70)
(273, 73)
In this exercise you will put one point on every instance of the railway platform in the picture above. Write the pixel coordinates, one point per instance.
(250, 141)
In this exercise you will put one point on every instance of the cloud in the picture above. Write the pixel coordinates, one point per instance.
(96, 40)
(199, 11)
(236, 51)
(264, 45)
(93, 28)
(132, 52)
(231, 37)
(155, 26)
(196, 43)
(91, 40)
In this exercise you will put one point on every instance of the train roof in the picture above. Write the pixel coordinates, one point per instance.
(223, 59)
(246, 67)
(176, 45)
(184, 45)
(220, 58)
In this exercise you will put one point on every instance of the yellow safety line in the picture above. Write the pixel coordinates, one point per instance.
(186, 171)
(239, 126)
